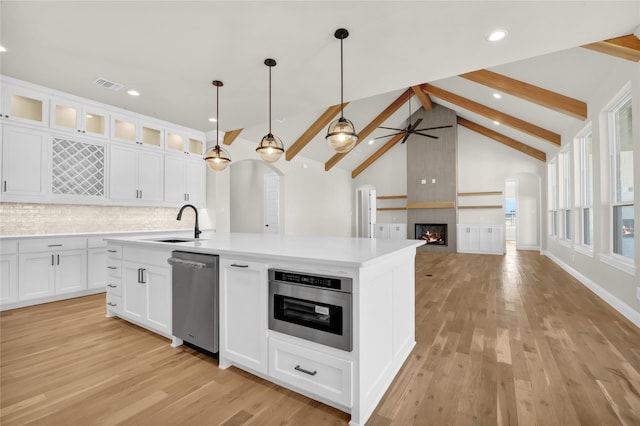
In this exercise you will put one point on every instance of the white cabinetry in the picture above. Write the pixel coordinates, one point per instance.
(386, 231)
(481, 239)
(132, 130)
(146, 281)
(113, 278)
(184, 180)
(243, 314)
(317, 373)
(23, 105)
(24, 163)
(48, 267)
(75, 117)
(135, 174)
(8, 271)
(186, 143)
(96, 263)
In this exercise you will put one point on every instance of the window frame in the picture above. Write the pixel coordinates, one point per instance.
(583, 176)
(552, 197)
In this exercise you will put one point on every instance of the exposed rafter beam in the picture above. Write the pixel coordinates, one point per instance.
(506, 140)
(369, 161)
(381, 118)
(231, 136)
(625, 47)
(425, 100)
(529, 92)
(312, 131)
(505, 119)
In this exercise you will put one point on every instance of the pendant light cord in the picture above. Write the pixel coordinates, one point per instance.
(217, 117)
(341, 81)
(270, 99)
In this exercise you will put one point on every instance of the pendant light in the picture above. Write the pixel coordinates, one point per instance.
(341, 134)
(270, 147)
(217, 158)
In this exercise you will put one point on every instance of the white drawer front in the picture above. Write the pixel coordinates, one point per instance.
(114, 252)
(114, 303)
(114, 268)
(114, 286)
(320, 374)
(51, 244)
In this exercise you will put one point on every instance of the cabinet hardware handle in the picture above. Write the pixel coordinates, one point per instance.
(143, 281)
(111, 267)
(4, 186)
(58, 259)
(78, 130)
(112, 286)
(111, 304)
(51, 260)
(139, 273)
(235, 265)
(141, 194)
(54, 245)
(187, 197)
(112, 251)
(302, 370)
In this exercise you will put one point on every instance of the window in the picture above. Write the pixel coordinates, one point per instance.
(552, 204)
(584, 175)
(622, 202)
(564, 193)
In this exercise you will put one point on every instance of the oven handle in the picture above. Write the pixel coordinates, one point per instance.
(302, 370)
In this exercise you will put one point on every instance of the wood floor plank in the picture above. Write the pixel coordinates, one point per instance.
(507, 339)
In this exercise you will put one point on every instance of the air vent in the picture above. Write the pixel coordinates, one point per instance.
(107, 84)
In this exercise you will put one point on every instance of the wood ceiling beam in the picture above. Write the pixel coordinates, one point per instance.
(425, 100)
(381, 118)
(369, 161)
(312, 131)
(231, 136)
(529, 92)
(506, 140)
(492, 114)
(625, 47)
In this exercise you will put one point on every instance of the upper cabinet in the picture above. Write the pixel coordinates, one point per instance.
(128, 129)
(24, 163)
(190, 144)
(22, 105)
(77, 118)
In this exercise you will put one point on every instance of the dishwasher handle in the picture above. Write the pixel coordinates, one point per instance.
(185, 263)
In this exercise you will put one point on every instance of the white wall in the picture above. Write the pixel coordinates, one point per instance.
(314, 202)
(613, 284)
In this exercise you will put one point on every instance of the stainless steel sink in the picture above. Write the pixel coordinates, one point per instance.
(172, 240)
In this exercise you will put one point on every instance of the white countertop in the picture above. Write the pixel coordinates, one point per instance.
(336, 250)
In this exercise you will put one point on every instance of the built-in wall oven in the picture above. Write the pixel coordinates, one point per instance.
(312, 307)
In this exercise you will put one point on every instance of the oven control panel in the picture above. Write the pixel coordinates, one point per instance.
(323, 281)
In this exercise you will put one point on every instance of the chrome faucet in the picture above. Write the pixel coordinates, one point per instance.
(196, 231)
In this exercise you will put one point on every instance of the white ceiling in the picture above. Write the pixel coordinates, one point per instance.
(170, 51)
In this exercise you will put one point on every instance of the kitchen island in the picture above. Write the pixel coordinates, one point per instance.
(382, 308)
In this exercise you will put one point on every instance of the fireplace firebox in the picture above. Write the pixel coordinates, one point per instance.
(432, 233)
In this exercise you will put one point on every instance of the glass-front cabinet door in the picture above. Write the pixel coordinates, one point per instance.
(196, 145)
(126, 129)
(74, 117)
(151, 135)
(24, 105)
(177, 141)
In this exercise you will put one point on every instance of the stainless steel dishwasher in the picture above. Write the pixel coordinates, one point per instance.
(195, 299)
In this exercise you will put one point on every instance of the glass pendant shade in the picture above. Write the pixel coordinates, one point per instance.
(270, 148)
(217, 158)
(341, 135)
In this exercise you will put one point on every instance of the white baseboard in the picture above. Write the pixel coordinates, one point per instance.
(617, 304)
(535, 248)
(56, 298)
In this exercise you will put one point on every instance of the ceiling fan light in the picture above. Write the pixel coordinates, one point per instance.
(341, 135)
(217, 158)
(270, 148)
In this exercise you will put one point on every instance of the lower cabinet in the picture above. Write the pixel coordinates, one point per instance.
(8, 277)
(96, 262)
(49, 273)
(146, 293)
(244, 306)
(311, 371)
(481, 239)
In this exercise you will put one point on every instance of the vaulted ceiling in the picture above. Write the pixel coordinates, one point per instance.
(399, 56)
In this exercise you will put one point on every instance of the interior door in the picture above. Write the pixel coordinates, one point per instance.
(271, 203)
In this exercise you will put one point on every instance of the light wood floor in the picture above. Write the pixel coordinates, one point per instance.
(500, 340)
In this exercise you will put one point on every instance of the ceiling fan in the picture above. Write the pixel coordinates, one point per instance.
(411, 129)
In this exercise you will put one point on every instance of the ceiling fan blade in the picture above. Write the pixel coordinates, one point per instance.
(390, 128)
(433, 128)
(386, 136)
(414, 126)
(424, 134)
(405, 137)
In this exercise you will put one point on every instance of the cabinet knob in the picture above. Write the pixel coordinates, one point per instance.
(111, 304)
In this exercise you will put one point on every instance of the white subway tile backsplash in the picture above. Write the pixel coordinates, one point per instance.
(28, 219)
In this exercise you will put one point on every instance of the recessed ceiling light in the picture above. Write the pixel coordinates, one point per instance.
(133, 93)
(497, 35)
(497, 95)
(212, 119)
(497, 123)
(371, 142)
(3, 49)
